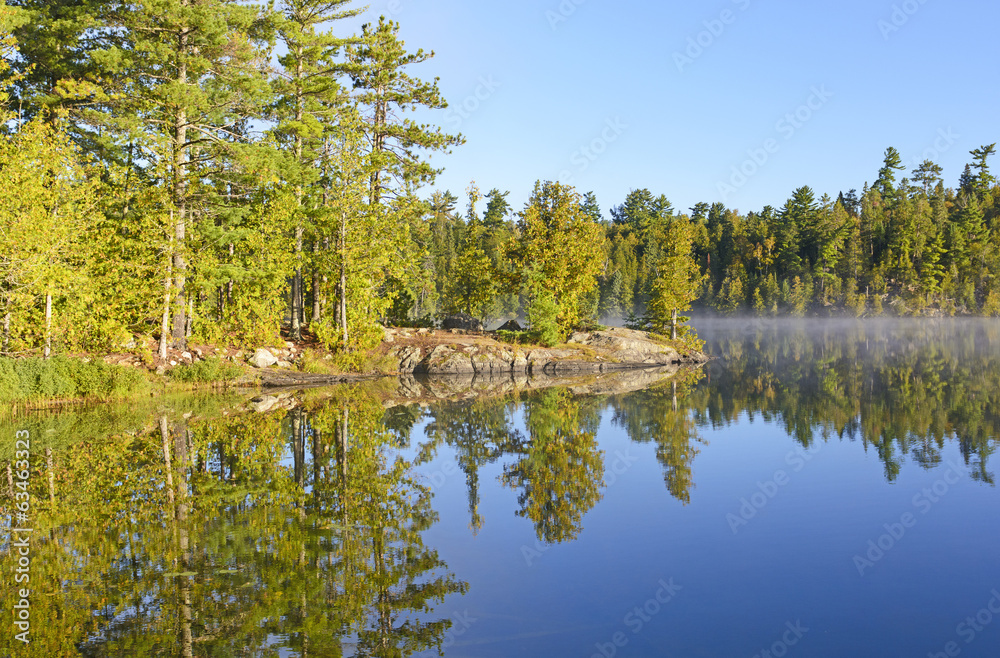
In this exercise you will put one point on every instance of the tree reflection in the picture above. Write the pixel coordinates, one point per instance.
(559, 471)
(656, 416)
(904, 389)
(237, 535)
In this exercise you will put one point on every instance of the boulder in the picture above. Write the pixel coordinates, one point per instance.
(263, 358)
(462, 321)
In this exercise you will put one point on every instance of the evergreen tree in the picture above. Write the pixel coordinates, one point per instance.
(309, 98)
(195, 78)
(384, 91)
(497, 209)
(984, 180)
(886, 182)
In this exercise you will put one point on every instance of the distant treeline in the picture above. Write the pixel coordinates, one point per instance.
(908, 246)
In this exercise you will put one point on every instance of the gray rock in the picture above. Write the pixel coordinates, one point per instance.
(264, 403)
(462, 321)
(285, 365)
(263, 358)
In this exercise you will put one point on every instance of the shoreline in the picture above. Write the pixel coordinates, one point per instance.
(404, 352)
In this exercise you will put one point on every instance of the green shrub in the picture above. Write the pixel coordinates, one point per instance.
(212, 369)
(544, 313)
(59, 377)
(512, 337)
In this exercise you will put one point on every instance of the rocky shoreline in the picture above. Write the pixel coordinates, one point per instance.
(457, 352)
(585, 352)
(427, 389)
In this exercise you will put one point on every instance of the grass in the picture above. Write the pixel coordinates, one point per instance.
(365, 362)
(35, 379)
(211, 370)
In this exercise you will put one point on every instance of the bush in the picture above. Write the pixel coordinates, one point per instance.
(212, 369)
(512, 337)
(60, 377)
(544, 313)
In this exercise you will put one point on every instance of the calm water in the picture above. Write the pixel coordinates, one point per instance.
(825, 489)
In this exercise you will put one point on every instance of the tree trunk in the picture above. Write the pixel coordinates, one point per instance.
(180, 201)
(52, 477)
(315, 293)
(6, 331)
(673, 325)
(48, 324)
(165, 435)
(343, 277)
(343, 444)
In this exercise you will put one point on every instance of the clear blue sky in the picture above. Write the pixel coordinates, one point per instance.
(565, 76)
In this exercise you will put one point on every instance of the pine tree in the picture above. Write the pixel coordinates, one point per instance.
(309, 98)
(497, 209)
(886, 182)
(928, 175)
(984, 180)
(384, 91)
(195, 76)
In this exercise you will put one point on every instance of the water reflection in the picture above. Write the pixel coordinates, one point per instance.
(903, 388)
(236, 535)
(198, 529)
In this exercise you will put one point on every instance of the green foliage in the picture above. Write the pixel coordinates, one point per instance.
(543, 314)
(555, 254)
(472, 286)
(136, 189)
(512, 337)
(35, 379)
(211, 370)
(677, 279)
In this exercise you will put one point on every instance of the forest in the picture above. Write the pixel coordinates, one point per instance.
(225, 172)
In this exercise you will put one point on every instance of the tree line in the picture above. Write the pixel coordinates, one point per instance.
(903, 246)
(222, 171)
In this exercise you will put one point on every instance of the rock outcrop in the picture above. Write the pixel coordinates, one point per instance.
(263, 358)
(462, 321)
(419, 389)
(598, 351)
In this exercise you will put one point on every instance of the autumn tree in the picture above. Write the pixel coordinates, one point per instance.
(556, 251)
(677, 279)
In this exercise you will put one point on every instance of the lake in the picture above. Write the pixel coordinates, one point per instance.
(824, 488)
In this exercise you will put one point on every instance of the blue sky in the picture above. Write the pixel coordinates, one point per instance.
(739, 101)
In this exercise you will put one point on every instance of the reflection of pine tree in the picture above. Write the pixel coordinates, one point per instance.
(853, 381)
(476, 431)
(655, 416)
(198, 535)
